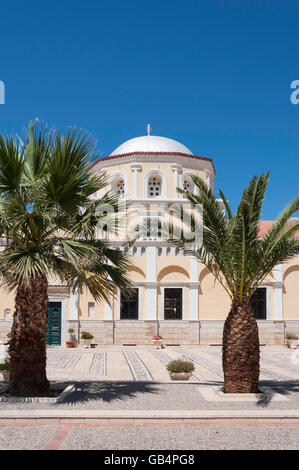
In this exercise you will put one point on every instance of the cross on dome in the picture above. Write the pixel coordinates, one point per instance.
(149, 129)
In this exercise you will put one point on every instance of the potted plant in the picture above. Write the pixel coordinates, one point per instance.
(87, 337)
(157, 341)
(180, 369)
(292, 340)
(70, 343)
(4, 370)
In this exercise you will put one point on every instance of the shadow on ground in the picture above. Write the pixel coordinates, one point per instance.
(108, 391)
(284, 388)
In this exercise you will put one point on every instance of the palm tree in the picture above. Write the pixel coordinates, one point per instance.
(48, 224)
(240, 260)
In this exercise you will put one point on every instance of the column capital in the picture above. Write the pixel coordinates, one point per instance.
(194, 285)
(176, 167)
(136, 167)
(277, 283)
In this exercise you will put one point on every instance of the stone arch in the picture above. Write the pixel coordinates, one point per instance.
(290, 270)
(204, 272)
(290, 293)
(173, 274)
(136, 274)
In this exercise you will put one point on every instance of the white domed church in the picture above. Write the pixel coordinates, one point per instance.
(173, 295)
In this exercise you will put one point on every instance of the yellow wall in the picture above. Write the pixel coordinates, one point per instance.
(291, 293)
(214, 302)
(164, 168)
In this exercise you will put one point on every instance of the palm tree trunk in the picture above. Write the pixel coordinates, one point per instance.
(241, 352)
(27, 347)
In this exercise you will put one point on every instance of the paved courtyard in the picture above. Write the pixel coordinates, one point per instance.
(149, 364)
(123, 400)
(136, 379)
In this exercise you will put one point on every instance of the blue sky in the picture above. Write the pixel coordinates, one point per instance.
(214, 75)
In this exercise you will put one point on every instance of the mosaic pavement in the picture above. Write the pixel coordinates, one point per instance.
(141, 364)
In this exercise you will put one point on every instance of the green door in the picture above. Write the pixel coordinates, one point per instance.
(54, 324)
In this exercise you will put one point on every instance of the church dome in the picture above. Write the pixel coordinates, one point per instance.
(151, 143)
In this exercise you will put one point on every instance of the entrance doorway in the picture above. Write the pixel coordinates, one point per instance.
(129, 305)
(54, 324)
(258, 303)
(173, 303)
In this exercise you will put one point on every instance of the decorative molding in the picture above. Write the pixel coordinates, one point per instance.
(194, 161)
(278, 284)
(136, 167)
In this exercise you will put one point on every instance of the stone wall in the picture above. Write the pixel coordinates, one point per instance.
(211, 332)
(292, 326)
(139, 332)
(179, 331)
(271, 332)
(204, 333)
(134, 332)
(101, 330)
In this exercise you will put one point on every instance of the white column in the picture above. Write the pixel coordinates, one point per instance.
(278, 286)
(176, 170)
(135, 169)
(208, 178)
(151, 252)
(74, 310)
(194, 284)
(108, 310)
(151, 284)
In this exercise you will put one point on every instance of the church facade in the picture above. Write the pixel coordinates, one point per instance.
(173, 295)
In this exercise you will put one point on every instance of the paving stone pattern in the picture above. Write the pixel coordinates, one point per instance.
(98, 364)
(137, 367)
(123, 364)
(265, 373)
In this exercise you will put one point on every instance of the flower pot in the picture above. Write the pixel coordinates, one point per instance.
(294, 343)
(70, 344)
(180, 375)
(87, 342)
(157, 343)
(5, 374)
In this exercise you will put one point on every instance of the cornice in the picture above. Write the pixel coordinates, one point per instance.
(167, 157)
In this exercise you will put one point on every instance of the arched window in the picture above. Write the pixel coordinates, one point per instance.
(118, 185)
(154, 185)
(7, 314)
(187, 184)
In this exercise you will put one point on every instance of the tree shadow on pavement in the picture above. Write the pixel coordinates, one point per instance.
(108, 391)
(283, 388)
